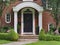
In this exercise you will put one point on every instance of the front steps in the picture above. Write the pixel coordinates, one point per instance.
(28, 36)
(24, 40)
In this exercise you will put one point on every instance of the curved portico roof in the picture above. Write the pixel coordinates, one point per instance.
(28, 4)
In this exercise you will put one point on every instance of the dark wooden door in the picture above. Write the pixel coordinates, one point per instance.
(28, 22)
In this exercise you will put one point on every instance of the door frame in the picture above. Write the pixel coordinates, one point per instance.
(22, 23)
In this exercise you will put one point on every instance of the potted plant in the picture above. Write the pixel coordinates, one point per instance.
(18, 28)
(59, 29)
(37, 30)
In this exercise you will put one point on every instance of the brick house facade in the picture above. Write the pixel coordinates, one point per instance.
(29, 14)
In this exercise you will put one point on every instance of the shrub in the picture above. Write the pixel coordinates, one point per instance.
(42, 34)
(48, 37)
(4, 29)
(52, 29)
(4, 36)
(12, 35)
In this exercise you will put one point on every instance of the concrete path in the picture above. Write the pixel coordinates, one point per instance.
(22, 42)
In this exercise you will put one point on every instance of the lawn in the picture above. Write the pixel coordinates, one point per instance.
(45, 43)
(4, 41)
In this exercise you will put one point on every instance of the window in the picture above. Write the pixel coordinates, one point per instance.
(48, 6)
(50, 26)
(27, 0)
(8, 18)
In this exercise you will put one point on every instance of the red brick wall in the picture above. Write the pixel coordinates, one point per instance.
(9, 9)
(47, 18)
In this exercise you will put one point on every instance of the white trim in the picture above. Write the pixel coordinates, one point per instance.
(15, 22)
(40, 21)
(34, 22)
(48, 27)
(6, 18)
(28, 4)
(22, 23)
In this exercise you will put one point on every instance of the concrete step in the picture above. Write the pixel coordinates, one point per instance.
(24, 40)
(29, 37)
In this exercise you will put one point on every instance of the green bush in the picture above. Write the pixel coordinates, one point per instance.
(52, 29)
(48, 37)
(4, 36)
(4, 29)
(12, 35)
(42, 34)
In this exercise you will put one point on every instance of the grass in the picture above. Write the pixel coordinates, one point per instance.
(4, 41)
(45, 43)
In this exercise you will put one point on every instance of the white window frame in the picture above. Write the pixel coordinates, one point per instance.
(27, 0)
(49, 25)
(6, 18)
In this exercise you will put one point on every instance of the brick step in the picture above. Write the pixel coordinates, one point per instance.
(29, 37)
(21, 40)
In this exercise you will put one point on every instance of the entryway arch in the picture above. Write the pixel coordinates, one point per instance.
(27, 21)
(27, 4)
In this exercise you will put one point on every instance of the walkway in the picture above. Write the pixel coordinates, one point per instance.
(22, 42)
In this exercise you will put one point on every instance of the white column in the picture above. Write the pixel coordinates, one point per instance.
(40, 21)
(15, 22)
(22, 23)
(33, 24)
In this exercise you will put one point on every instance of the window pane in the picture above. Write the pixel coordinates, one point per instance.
(8, 18)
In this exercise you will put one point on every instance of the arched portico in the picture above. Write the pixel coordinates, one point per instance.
(23, 5)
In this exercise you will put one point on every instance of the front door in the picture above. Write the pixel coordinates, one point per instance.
(28, 22)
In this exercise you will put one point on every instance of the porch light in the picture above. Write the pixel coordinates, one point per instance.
(49, 8)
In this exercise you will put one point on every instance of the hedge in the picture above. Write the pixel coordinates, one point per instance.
(4, 36)
(9, 36)
(48, 37)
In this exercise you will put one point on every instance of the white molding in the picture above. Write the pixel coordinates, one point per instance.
(23, 5)
(15, 22)
(33, 22)
(6, 18)
(40, 21)
(28, 4)
(48, 27)
(22, 23)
